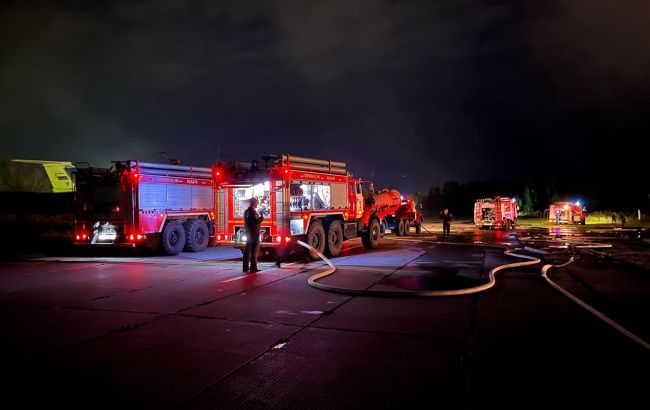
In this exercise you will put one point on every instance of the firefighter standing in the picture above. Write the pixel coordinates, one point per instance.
(446, 222)
(252, 222)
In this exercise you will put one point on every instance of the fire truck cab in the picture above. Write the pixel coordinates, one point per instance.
(566, 213)
(497, 213)
(313, 200)
(144, 204)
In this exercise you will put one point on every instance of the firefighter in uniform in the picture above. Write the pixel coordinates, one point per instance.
(446, 222)
(252, 222)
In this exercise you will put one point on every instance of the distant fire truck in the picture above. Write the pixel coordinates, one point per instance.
(139, 203)
(314, 200)
(566, 213)
(394, 212)
(497, 213)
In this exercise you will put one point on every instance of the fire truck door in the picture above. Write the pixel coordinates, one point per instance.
(359, 200)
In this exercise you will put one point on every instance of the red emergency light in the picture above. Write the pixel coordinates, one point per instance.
(137, 237)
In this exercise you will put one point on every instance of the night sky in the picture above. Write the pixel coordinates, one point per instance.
(408, 93)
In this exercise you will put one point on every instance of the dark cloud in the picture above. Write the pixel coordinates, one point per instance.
(409, 93)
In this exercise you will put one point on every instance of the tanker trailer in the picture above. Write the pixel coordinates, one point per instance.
(394, 213)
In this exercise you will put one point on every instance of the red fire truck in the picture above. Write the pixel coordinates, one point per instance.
(395, 212)
(140, 203)
(497, 213)
(314, 200)
(566, 213)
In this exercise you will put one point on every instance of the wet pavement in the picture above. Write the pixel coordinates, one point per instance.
(192, 331)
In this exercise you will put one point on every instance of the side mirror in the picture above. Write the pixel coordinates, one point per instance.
(371, 188)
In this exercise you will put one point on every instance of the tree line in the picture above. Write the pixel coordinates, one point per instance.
(534, 196)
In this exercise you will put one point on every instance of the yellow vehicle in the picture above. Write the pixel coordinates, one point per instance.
(24, 175)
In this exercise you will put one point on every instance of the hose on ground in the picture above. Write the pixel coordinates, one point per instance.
(313, 280)
(590, 309)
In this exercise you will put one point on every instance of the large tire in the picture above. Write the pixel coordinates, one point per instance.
(173, 238)
(316, 238)
(334, 239)
(371, 238)
(407, 227)
(418, 228)
(197, 235)
(399, 228)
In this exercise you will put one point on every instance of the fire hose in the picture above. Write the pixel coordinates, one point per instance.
(589, 308)
(589, 246)
(530, 260)
(313, 280)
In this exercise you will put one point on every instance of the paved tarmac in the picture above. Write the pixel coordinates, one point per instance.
(192, 331)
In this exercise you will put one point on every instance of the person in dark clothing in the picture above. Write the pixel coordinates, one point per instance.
(252, 222)
(446, 222)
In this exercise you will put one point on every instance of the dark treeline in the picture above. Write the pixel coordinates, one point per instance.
(534, 196)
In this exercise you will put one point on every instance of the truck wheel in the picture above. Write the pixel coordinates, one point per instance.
(399, 228)
(196, 235)
(173, 238)
(334, 239)
(407, 227)
(316, 238)
(418, 228)
(371, 238)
